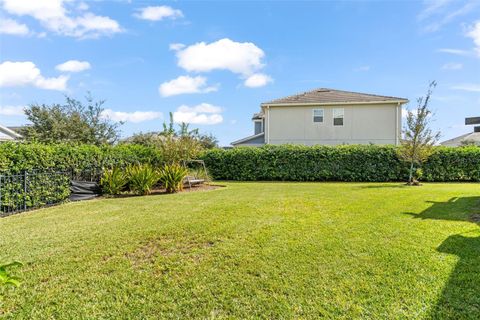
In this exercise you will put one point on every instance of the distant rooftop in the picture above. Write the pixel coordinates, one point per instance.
(325, 95)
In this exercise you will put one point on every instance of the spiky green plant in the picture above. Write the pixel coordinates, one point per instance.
(141, 178)
(172, 176)
(5, 277)
(113, 181)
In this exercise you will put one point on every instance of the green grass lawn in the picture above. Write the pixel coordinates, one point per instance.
(252, 250)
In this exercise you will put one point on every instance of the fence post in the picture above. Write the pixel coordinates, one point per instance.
(25, 177)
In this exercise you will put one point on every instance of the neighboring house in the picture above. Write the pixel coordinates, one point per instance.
(472, 138)
(7, 134)
(328, 117)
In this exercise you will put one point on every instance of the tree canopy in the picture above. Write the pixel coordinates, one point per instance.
(73, 121)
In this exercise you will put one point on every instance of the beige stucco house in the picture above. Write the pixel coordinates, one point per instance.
(328, 117)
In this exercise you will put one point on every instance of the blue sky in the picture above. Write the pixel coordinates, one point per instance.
(213, 63)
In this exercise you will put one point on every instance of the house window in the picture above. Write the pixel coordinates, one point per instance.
(317, 115)
(338, 115)
(258, 127)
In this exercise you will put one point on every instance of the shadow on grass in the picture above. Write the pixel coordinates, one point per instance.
(460, 298)
(381, 185)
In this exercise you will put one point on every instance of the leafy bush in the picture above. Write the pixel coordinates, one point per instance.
(172, 176)
(16, 157)
(338, 163)
(141, 178)
(113, 181)
(5, 277)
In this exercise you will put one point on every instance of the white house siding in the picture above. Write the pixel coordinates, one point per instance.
(363, 124)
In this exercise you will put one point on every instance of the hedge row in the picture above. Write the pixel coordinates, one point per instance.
(340, 163)
(17, 157)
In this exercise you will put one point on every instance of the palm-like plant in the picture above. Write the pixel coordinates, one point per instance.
(142, 178)
(113, 181)
(172, 176)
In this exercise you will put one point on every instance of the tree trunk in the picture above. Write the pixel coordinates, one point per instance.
(410, 177)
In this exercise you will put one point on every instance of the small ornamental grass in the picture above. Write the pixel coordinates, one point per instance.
(142, 178)
(114, 181)
(172, 176)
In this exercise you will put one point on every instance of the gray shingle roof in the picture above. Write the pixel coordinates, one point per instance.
(325, 95)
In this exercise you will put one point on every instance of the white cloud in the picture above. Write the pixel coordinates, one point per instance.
(14, 74)
(203, 113)
(176, 46)
(158, 13)
(452, 66)
(438, 13)
(185, 84)
(362, 69)
(257, 80)
(457, 52)
(55, 16)
(474, 33)
(242, 58)
(12, 110)
(73, 66)
(472, 87)
(12, 27)
(135, 117)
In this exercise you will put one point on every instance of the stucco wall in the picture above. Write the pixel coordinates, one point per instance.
(362, 124)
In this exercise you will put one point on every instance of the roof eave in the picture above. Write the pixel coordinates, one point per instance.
(268, 104)
(247, 138)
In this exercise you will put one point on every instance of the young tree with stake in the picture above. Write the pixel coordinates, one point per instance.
(418, 140)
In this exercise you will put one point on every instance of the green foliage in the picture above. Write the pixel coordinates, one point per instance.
(340, 163)
(16, 157)
(172, 176)
(72, 122)
(303, 163)
(141, 178)
(113, 181)
(175, 145)
(419, 139)
(5, 277)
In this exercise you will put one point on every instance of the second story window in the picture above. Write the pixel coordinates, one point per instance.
(317, 115)
(338, 115)
(258, 126)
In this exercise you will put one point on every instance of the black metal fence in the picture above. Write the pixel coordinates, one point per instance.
(39, 188)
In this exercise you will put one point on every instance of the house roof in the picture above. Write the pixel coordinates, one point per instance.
(8, 134)
(473, 137)
(247, 139)
(327, 96)
(258, 115)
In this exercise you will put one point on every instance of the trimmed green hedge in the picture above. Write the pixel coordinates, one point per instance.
(339, 163)
(43, 185)
(17, 157)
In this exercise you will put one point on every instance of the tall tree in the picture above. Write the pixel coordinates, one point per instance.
(71, 122)
(419, 139)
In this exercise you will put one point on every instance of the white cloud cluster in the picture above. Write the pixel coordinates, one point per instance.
(157, 13)
(14, 74)
(242, 58)
(439, 13)
(12, 27)
(257, 80)
(452, 66)
(472, 87)
(185, 84)
(474, 33)
(54, 16)
(12, 110)
(203, 113)
(135, 117)
(73, 66)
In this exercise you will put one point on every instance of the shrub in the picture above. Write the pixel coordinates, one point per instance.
(338, 163)
(113, 181)
(141, 178)
(172, 176)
